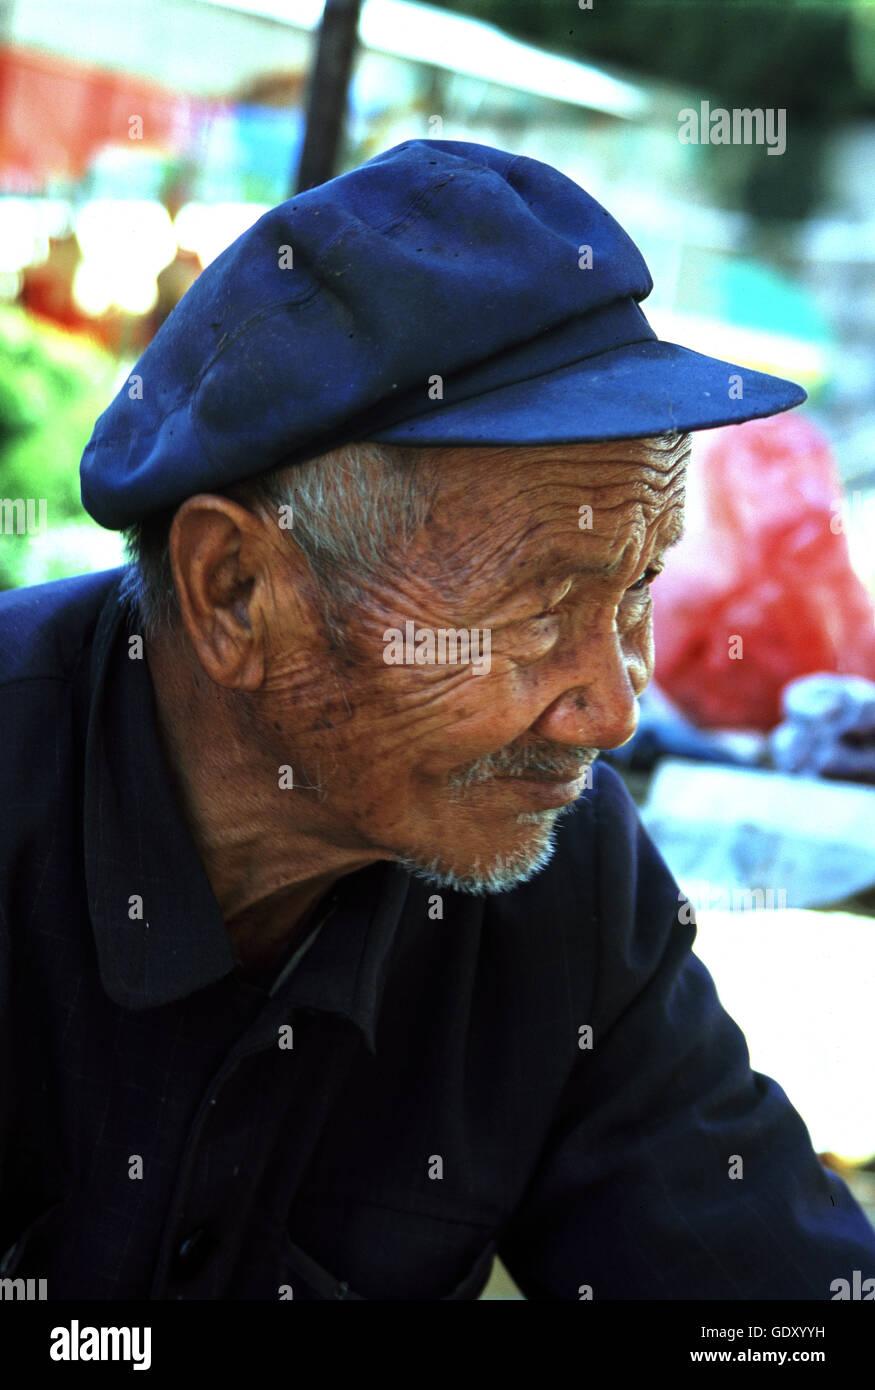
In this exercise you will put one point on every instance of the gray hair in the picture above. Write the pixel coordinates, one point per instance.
(350, 511)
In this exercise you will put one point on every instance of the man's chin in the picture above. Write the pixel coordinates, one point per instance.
(493, 871)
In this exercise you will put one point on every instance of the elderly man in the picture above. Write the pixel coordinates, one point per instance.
(333, 963)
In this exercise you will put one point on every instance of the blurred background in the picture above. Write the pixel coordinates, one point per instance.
(138, 138)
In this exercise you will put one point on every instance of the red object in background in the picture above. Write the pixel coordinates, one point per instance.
(47, 292)
(769, 565)
(55, 115)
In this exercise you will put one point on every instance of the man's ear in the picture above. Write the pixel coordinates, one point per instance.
(221, 560)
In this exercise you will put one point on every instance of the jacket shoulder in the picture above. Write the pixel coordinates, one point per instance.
(44, 627)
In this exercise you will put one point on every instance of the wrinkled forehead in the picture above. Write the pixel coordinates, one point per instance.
(587, 503)
(642, 465)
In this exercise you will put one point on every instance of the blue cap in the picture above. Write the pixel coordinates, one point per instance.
(444, 293)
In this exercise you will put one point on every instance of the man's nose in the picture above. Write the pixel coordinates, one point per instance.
(600, 709)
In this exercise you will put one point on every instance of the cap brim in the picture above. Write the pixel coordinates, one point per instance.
(641, 389)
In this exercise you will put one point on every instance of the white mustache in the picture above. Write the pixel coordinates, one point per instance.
(522, 765)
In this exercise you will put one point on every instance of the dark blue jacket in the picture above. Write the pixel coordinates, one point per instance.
(411, 1098)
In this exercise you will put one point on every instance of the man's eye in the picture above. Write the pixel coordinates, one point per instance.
(641, 584)
(638, 587)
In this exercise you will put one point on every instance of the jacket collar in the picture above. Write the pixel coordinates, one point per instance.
(140, 856)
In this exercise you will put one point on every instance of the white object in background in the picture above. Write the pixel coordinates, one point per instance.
(799, 985)
(727, 832)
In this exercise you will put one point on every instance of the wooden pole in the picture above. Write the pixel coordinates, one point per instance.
(329, 83)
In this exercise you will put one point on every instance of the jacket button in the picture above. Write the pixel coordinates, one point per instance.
(191, 1253)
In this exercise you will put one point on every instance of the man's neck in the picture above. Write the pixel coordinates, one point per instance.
(266, 878)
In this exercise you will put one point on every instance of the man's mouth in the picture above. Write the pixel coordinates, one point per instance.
(550, 792)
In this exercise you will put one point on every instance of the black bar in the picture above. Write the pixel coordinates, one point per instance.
(326, 106)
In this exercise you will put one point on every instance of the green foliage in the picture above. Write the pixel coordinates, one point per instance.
(52, 388)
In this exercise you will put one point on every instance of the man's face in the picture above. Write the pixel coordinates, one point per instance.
(462, 776)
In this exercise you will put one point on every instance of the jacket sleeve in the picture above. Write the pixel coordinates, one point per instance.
(672, 1170)
(6, 1078)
